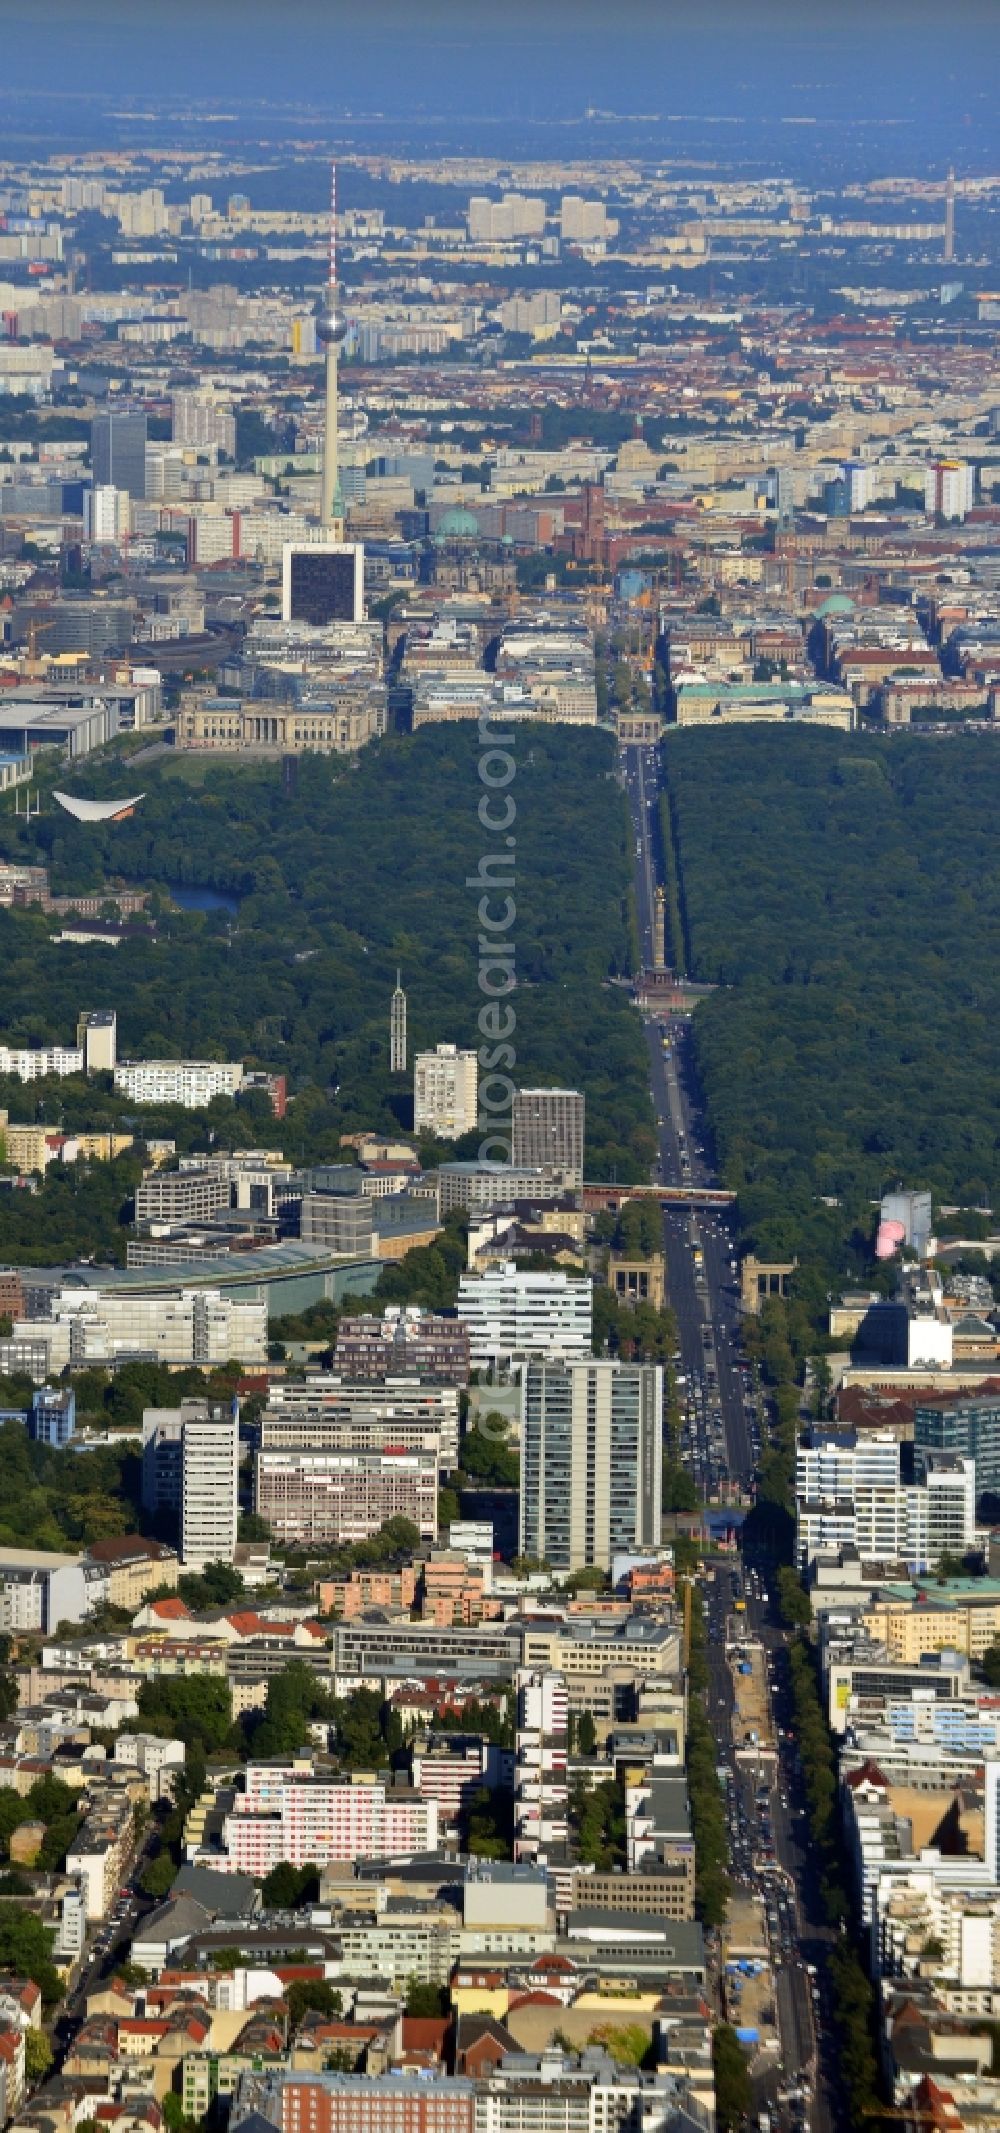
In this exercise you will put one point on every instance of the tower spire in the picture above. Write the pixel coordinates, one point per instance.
(397, 1028)
(331, 327)
(949, 216)
(333, 226)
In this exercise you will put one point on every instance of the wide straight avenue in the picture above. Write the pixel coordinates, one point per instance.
(720, 1423)
(723, 1417)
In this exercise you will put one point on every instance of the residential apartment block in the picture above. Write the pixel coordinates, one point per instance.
(209, 1491)
(591, 1460)
(405, 1342)
(288, 1813)
(851, 1492)
(325, 1412)
(512, 1313)
(548, 1132)
(445, 1092)
(541, 1792)
(338, 1497)
(192, 1083)
(103, 1849)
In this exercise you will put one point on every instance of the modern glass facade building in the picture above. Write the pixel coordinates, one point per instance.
(969, 1428)
(118, 452)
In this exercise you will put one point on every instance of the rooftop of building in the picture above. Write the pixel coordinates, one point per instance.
(36, 1559)
(269, 1262)
(122, 1548)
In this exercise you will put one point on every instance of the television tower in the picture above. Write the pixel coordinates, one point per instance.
(397, 1028)
(949, 217)
(331, 327)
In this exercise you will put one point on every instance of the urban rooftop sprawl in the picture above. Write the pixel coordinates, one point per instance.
(499, 1338)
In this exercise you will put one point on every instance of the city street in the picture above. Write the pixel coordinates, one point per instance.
(722, 1423)
(702, 1275)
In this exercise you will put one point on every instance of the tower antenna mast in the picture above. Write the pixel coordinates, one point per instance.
(331, 327)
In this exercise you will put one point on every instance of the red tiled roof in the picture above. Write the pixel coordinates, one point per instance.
(425, 2033)
(867, 1773)
(861, 1408)
(125, 1547)
(22, 1989)
(247, 1624)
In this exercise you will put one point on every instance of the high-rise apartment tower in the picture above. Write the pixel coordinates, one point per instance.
(548, 1127)
(591, 1461)
(209, 1500)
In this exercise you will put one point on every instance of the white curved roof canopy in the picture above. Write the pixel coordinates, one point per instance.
(97, 810)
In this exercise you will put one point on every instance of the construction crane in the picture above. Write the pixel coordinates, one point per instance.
(36, 629)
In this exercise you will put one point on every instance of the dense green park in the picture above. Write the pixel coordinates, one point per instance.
(355, 870)
(843, 892)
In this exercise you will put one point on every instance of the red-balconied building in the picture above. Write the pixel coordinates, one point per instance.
(404, 1342)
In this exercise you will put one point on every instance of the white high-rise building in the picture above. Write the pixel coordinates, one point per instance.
(858, 477)
(209, 1499)
(523, 314)
(850, 1492)
(584, 221)
(591, 1461)
(502, 221)
(445, 1092)
(541, 1792)
(83, 192)
(949, 489)
(513, 1312)
(199, 418)
(106, 513)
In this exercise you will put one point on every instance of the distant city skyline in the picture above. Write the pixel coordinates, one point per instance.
(669, 61)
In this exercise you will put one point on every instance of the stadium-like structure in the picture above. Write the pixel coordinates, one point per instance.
(98, 810)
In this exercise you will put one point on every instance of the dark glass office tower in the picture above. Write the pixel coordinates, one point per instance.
(118, 452)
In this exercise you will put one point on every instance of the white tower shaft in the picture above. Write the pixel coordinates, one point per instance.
(331, 329)
(331, 510)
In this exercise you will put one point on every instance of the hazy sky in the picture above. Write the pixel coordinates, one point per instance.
(528, 59)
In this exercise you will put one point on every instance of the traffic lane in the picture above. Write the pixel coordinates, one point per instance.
(103, 1959)
(730, 1379)
(693, 1310)
(645, 849)
(640, 813)
(804, 1920)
